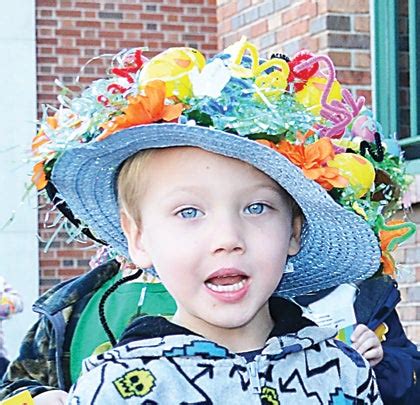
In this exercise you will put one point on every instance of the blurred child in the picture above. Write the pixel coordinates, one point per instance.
(10, 304)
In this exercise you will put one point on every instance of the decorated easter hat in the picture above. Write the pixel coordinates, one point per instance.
(289, 118)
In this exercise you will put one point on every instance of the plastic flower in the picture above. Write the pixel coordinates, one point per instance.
(211, 80)
(39, 177)
(392, 234)
(143, 109)
(312, 159)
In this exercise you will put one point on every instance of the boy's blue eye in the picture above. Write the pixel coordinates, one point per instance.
(189, 213)
(256, 208)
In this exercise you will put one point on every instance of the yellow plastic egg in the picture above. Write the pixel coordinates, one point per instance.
(173, 66)
(357, 170)
(310, 95)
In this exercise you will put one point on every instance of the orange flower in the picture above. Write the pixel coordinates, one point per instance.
(144, 110)
(312, 160)
(38, 177)
(38, 174)
(391, 235)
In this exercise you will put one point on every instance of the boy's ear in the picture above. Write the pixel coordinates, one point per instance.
(294, 245)
(134, 236)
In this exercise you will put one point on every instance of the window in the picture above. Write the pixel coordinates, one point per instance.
(396, 76)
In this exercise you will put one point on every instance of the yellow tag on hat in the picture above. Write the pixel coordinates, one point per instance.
(23, 398)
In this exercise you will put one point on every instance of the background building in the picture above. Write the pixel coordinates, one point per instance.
(373, 44)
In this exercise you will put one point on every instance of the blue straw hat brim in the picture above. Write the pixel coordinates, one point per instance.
(338, 246)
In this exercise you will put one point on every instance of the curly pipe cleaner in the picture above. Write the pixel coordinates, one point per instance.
(340, 113)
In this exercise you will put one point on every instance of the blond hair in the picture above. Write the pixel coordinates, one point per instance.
(131, 184)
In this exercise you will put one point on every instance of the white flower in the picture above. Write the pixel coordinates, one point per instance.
(211, 80)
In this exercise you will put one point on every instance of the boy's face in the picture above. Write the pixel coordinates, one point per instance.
(217, 231)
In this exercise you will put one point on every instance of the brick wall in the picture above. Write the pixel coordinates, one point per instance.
(71, 32)
(333, 27)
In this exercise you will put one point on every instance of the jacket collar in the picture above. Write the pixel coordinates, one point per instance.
(287, 317)
(377, 298)
(69, 292)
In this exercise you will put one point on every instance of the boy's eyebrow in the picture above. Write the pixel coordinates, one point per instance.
(197, 189)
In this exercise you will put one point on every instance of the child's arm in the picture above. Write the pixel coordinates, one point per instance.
(10, 302)
(396, 373)
(34, 368)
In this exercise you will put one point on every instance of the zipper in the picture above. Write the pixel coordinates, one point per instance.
(254, 379)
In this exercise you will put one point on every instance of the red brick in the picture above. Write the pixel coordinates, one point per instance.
(367, 94)
(227, 10)
(46, 23)
(172, 27)
(91, 15)
(150, 35)
(49, 273)
(362, 59)
(294, 13)
(211, 19)
(207, 10)
(66, 42)
(172, 18)
(67, 24)
(68, 13)
(131, 26)
(194, 19)
(47, 41)
(342, 59)
(88, 24)
(345, 6)
(110, 34)
(67, 51)
(71, 272)
(49, 263)
(44, 13)
(47, 59)
(258, 28)
(353, 77)
(172, 9)
(130, 7)
(151, 17)
(87, 4)
(46, 3)
(362, 23)
(88, 42)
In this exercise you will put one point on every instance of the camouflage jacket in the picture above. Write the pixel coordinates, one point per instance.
(43, 362)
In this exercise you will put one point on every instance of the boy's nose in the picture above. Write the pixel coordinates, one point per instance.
(228, 238)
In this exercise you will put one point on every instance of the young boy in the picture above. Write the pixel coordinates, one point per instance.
(231, 204)
(227, 202)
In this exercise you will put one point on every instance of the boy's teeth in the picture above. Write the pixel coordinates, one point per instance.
(226, 288)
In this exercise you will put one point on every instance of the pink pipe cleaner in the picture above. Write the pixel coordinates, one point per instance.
(339, 113)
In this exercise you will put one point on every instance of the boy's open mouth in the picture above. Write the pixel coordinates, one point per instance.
(226, 282)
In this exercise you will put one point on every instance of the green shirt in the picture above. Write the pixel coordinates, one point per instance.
(127, 302)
